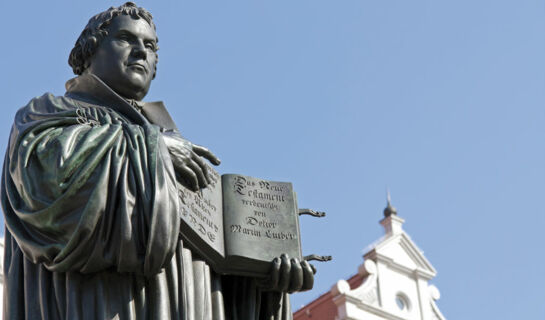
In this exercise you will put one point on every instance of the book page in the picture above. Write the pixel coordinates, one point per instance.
(260, 218)
(202, 219)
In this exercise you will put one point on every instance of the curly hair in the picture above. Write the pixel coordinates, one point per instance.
(97, 29)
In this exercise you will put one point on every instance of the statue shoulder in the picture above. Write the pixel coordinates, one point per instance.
(45, 108)
(49, 106)
(50, 110)
(49, 103)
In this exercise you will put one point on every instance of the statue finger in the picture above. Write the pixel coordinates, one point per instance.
(190, 176)
(201, 179)
(204, 152)
(296, 276)
(285, 273)
(308, 275)
(202, 165)
(275, 273)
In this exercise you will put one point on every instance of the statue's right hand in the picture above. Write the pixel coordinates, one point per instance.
(289, 275)
(187, 161)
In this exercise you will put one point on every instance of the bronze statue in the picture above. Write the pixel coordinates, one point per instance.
(91, 204)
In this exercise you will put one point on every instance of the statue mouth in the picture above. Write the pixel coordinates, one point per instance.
(138, 66)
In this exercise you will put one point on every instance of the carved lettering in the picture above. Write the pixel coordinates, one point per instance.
(211, 236)
(240, 184)
(257, 204)
(203, 218)
(251, 221)
(266, 196)
(264, 185)
(248, 231)
(276, 188)
(280, 235)
(261, 223)
(204, 205)
(259, 214)
(208, 202)
(251, 232)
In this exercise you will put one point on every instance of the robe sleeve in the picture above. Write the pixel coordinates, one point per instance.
(87, 196)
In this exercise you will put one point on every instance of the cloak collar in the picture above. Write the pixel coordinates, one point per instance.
(90, 88)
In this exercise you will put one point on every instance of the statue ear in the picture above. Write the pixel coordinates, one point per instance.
(89, 50)
(93, 41)
(90, 45)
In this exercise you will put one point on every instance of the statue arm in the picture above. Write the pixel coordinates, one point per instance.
(88, 198)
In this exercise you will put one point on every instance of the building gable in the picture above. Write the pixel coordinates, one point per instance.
(394, 283)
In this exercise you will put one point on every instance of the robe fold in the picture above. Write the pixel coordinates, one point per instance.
(91, 209)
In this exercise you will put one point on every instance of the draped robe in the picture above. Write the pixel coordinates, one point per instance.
(92, 219)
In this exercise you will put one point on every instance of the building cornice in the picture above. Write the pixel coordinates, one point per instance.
(347, 299)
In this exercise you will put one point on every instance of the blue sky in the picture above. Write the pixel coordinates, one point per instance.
(440, 101)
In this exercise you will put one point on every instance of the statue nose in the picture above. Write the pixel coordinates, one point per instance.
(139, 51)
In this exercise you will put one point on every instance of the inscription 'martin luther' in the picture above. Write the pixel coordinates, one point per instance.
(239, 223)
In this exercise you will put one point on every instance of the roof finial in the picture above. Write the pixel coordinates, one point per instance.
(389, 210)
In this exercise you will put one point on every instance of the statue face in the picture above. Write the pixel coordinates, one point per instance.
(125, 59)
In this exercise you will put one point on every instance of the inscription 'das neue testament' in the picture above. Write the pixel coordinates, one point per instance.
(267, 197)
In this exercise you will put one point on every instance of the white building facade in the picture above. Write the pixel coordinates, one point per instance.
(393, 283)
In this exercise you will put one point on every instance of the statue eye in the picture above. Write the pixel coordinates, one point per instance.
(150, 45)
(123, 37)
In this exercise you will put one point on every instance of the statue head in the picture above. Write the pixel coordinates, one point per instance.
(119, 46)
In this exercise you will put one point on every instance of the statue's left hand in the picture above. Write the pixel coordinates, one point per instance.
(289, 275)
(186, 158)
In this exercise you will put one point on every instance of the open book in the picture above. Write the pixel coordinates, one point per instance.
(238, 224)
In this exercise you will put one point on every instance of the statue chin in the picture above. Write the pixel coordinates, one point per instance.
(132, 86)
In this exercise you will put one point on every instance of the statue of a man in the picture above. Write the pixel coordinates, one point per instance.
(90, 198)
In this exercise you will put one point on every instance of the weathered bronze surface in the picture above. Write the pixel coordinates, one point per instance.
(90, 194)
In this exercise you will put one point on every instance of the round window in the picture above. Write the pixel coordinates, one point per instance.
(402, 302)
